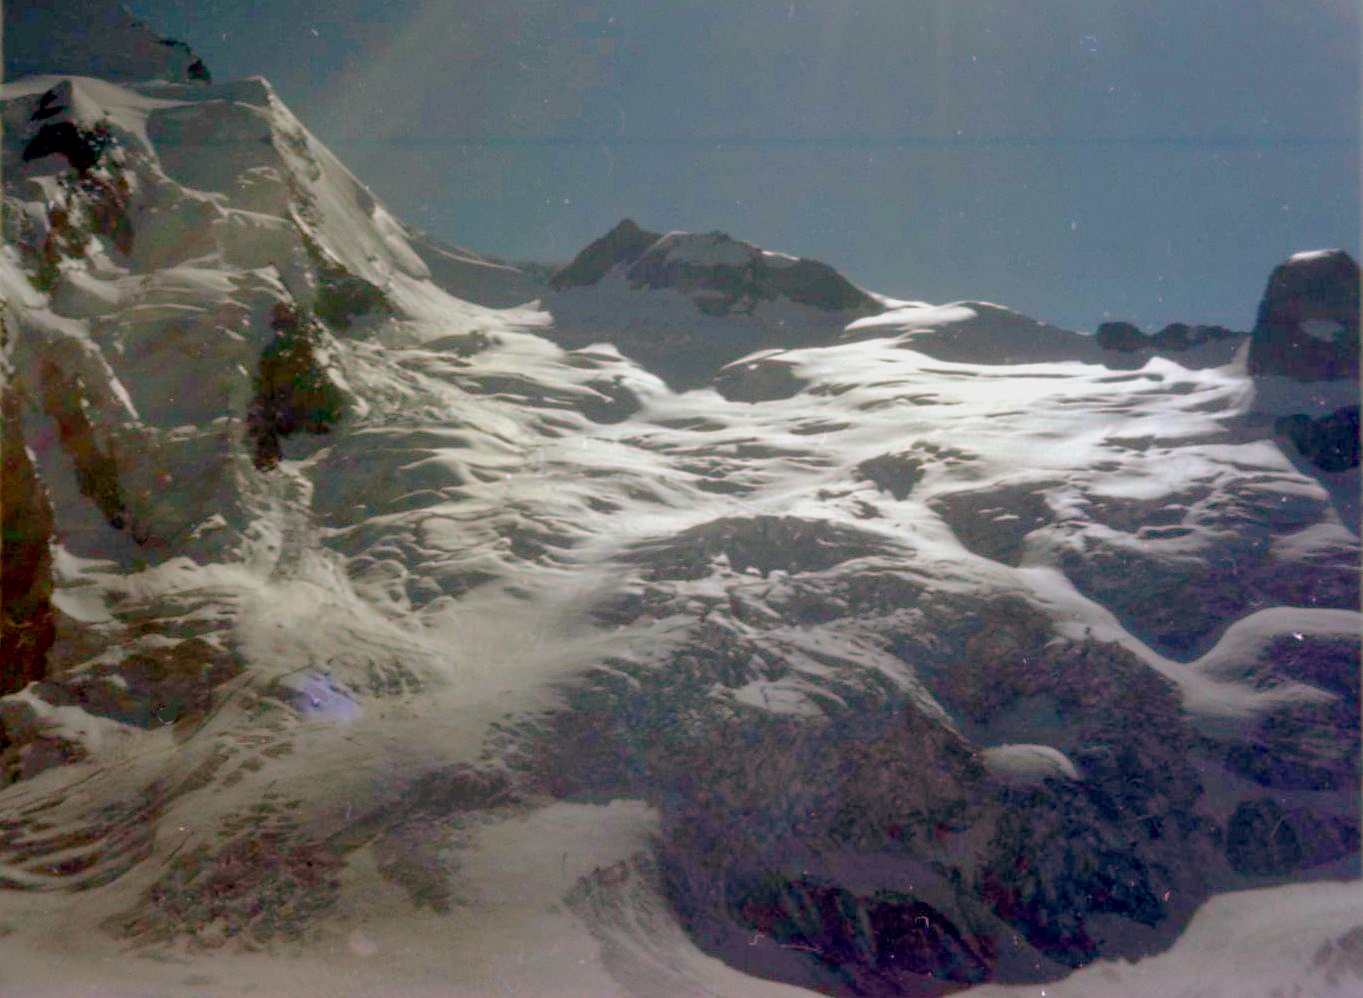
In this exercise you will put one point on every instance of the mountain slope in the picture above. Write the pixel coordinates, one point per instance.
(438, 646)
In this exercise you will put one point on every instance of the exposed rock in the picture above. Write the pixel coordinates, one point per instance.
(295, 390)
(622, 244)
(342, 296)
(896, 473)
(159, 684)
(81, 147)
(815, 849)
(1329, 442)
(995, 523)
(1175, 338)
(1121, 336)
(1260, 840)
(764, 543)
(764, 379)
(1179, 336)
(1308, 324)
(26, 624)
(29, 740)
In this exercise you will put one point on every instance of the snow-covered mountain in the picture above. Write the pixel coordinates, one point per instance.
(698, 624)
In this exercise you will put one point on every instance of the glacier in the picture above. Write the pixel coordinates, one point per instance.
(382, 618)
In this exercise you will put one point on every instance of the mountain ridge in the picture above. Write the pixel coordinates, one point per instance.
(925, 648)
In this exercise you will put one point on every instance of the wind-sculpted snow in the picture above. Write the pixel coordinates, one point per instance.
(456, 647)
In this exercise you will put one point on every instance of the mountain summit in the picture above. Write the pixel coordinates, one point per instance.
(722, 275)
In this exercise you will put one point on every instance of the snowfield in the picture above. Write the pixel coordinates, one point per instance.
(663, 634)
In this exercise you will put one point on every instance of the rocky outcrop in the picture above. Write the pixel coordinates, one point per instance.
(1175, 338)
(342, 296)
(622, 244)
(1121, 336)
(1308, 323)
(81, 147)
(1328, 442)
(764, 379)
(295, 390)
(26, 623)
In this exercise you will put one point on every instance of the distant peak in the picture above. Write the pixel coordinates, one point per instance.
(624, 243)
(626, 228)
(722, 274)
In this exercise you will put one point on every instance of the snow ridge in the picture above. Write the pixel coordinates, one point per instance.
(707, 619)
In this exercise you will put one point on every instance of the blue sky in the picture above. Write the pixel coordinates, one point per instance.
(1075, 160)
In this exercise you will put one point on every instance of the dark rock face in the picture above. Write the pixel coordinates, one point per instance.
(94, 195)
(1329, 442)
(1260, 840)
(823, 853)
(1307, 326)
(26, 623)
(294, 389)
(1121, 336)
(1176, 337)
(626, 242)
(342, 296)
(1179, 336)
(81, 147)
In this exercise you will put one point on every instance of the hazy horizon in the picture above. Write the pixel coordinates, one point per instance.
(1075, 161)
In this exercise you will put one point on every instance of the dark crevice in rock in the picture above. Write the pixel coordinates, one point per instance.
(294, 389)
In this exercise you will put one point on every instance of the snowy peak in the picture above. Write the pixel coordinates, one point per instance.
(1308, 325)
(722, 275)
(100, 38)
(173, 174)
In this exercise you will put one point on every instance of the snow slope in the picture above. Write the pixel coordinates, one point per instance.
(406, 645)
